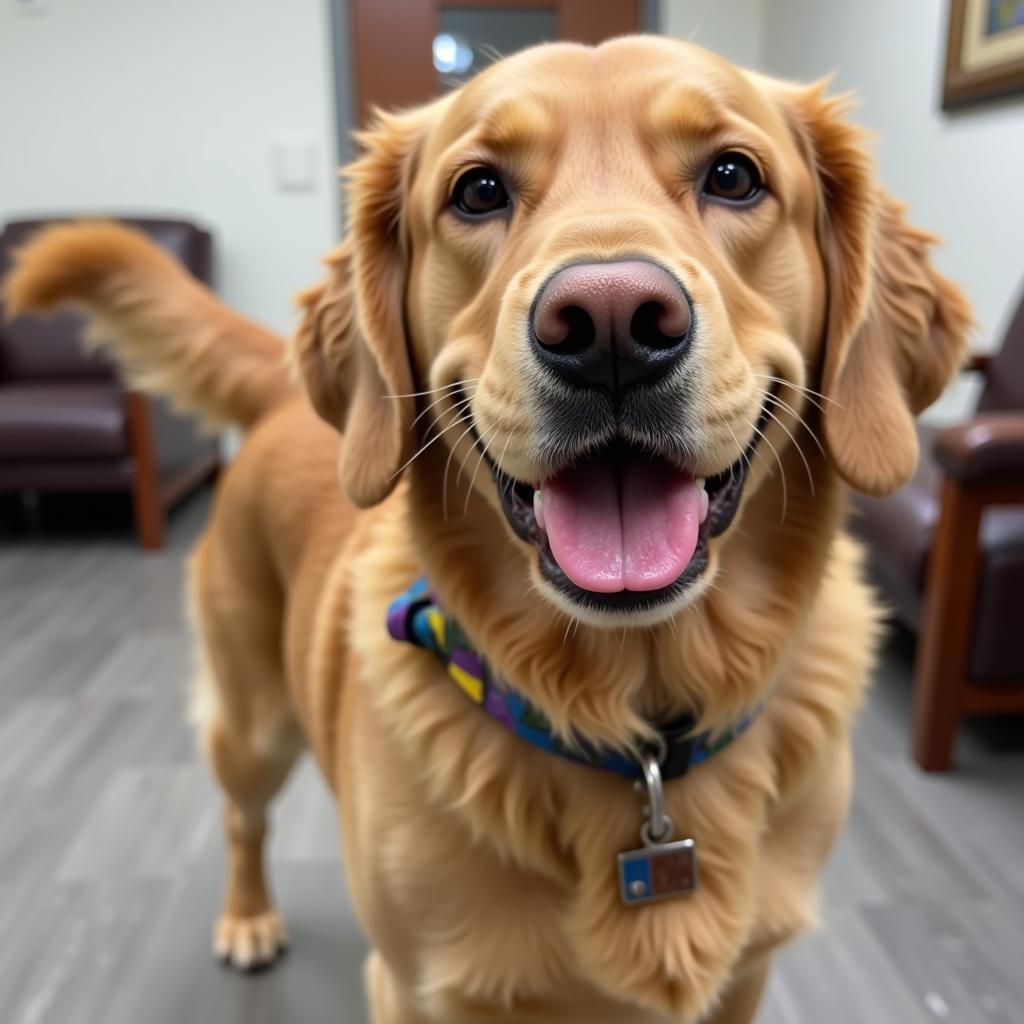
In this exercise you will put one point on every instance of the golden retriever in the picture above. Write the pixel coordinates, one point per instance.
(611, 331)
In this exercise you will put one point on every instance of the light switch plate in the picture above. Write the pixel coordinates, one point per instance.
(294, 164)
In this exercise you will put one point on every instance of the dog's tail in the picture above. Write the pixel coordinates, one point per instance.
(168, 333)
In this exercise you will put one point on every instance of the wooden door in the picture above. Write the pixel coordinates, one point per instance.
(406, 51)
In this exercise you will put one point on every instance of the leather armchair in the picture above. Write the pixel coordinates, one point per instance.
(66, 424)
(990, 445)
(948, 551)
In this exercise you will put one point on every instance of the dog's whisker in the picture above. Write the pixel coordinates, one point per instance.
(437, 401)
(796, 445)
(434, 391)
(565, 635)
(427, 444)
(485, 444)
(744, 456)
(462, 462)
(438, 420)
(810, 392)
(464, 416)
(801, 389)
(501, 459)
(465, 458)
(448, 462)
(447, 467)
(785, 405)
(782, 470)
(461, 408)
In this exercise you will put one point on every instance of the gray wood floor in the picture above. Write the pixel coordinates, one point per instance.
(110, 854)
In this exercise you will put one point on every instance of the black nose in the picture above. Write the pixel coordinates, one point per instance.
(611, 325)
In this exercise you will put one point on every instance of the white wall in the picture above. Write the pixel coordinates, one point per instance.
(962, 174)
(733, 28)
(173, 106)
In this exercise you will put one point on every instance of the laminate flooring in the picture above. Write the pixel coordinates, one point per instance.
(111, 859)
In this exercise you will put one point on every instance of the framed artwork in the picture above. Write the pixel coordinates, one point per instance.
(985, 51)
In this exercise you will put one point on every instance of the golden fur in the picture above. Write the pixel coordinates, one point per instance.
(481, 868)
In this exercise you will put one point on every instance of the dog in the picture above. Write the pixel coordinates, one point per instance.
(612, 332)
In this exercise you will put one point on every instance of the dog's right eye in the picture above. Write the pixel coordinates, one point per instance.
(480, 192)
(734, 178)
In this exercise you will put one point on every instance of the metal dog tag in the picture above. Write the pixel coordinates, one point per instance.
(663, 867)
(658, 872)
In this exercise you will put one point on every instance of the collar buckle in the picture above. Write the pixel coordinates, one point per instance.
(675, 744)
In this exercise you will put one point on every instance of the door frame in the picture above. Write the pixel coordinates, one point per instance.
(408, 77)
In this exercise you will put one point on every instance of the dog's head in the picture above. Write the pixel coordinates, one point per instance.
(620, 278)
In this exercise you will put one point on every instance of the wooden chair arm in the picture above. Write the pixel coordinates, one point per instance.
(978, 362)
(987, 447)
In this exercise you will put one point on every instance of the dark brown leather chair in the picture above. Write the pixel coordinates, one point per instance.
(948, 550)
(66, 424)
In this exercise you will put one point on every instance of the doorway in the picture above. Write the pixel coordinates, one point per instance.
(401, 52)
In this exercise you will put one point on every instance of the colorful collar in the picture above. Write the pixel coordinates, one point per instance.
(416, 617)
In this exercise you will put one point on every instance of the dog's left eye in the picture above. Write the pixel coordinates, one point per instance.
(733, 177)
(478, 192)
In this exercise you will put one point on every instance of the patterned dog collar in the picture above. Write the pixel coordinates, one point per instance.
(416, 617)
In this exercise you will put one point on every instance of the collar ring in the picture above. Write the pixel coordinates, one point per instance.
(657, 826)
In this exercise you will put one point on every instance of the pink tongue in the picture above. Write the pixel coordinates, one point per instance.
(604, 542)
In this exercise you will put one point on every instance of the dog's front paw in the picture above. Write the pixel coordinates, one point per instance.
(250, 944)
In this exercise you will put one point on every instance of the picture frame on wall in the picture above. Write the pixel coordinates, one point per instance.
(984, 51)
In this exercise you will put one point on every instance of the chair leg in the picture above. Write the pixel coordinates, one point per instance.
(149, 516)
(146, 499)
(948, 620)
(936, 719)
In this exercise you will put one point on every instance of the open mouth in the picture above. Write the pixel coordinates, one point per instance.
(622, 529)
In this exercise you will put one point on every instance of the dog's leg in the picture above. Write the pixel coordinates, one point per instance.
(250, 933)
(251, 739)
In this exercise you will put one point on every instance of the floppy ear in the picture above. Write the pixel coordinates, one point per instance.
(350, 350)
(896, 330)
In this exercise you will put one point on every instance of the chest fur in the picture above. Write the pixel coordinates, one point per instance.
(487, 869)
